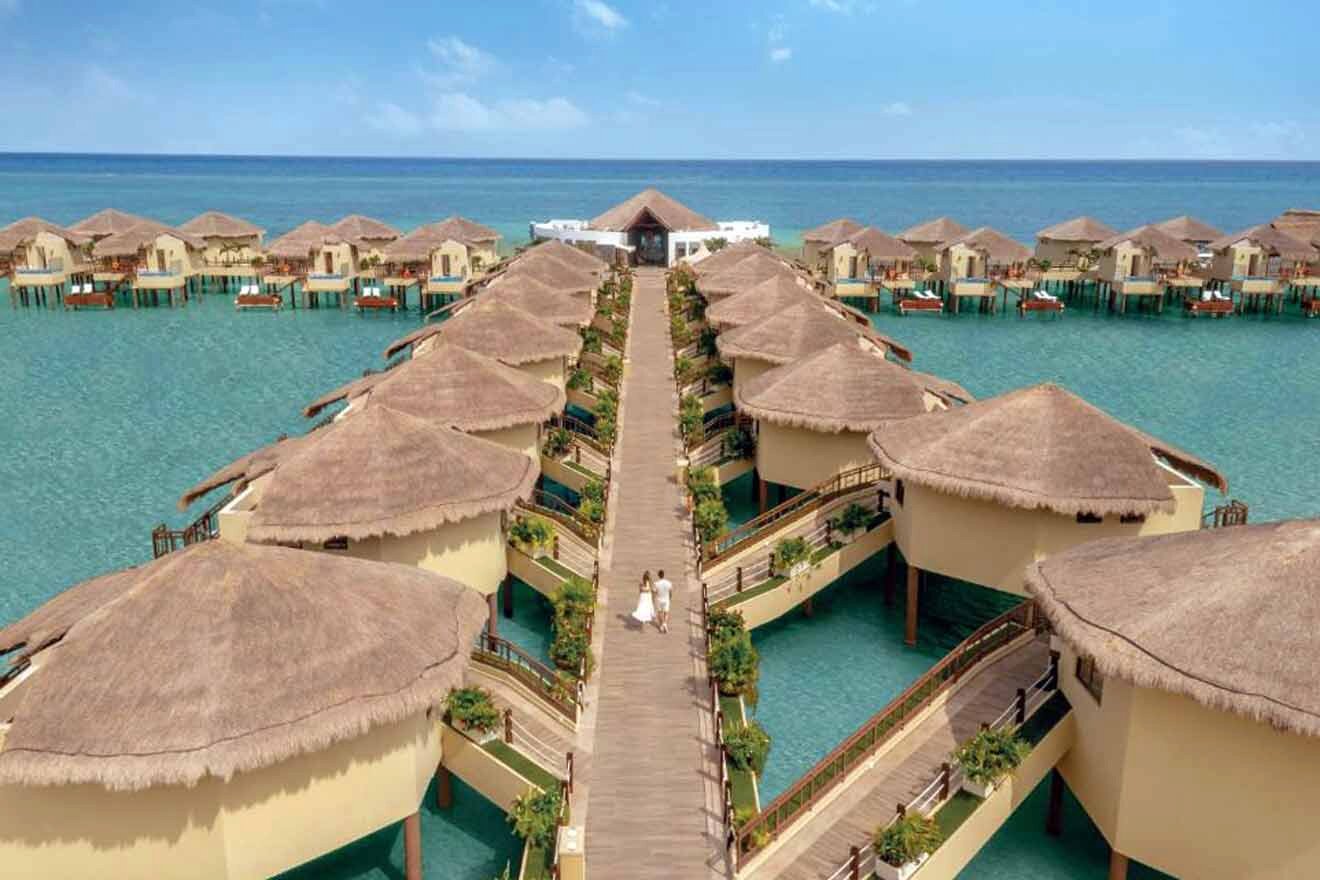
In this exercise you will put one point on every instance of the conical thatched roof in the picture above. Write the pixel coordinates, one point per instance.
(1086, 229)
(464, 230)
(1301, 224)
(247, 468)
(408, 340)
(793, 333)
(300, 241)
(833, 232)
(502, 331)
(383, 472)
(743, 275)
(879, 246)
(997, 247)
(140, 235)
(936, 232)
(21, 232)
(1189, 229)
(107, 222)
(356, 227)
(567, 253)
(213, 224)
(1277, 243)
(849, 386)
(671, 214)
(1038, 447)
(729, 256)
(456, 387)
(552, 271)
(1227, 617)
(1153, 239)
(223, 658)
(553, 304)
(756, 302)
(416, 246)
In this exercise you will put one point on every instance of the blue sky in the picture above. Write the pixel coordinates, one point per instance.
(665, 79)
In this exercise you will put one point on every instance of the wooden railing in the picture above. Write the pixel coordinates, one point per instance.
(580, 431)
(204, 528)
(558, 510)
(1234, 513)
(736, 539)
(543, 681)
(798, 799)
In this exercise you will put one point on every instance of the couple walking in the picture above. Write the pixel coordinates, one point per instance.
(653, 601)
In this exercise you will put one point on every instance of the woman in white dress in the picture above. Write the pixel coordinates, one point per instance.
(645, 611)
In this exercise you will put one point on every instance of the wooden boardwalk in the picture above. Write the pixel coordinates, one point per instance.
(821, 845)
(654, 775)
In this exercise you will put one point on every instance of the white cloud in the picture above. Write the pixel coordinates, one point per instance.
(780, 54)
(897, 108)
(597, 16)
(392, 119)
(463, 63)
(641, 100)
(458, 111)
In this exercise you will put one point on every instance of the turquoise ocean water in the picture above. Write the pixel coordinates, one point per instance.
(109, 416)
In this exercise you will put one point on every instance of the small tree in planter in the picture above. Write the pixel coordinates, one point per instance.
(702, 486)
(719, 373)
(535, 817)
(691, 420)
(683, 369)
(580, 380)
(748, 747)
(902, 846)
(607, 429)
(791, 556)
(613, 369)
(735, 666)
(725, 624)
(594, 490)
(570, 646)
(591, 340)
(531, 533)
(679, 331)
(739, 444)
(472, 709)
(988, 757)
(592, 512)
(850, 521)
(557, 443)
(711, 519)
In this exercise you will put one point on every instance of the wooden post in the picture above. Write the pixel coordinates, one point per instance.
(568, 763)
(854, 864)
(507, 586)
(412, 847)
(494, 615)
(1054, 815)
(444, 787)
(808, 608)
(913, 590)
(554, 548)
(945, 771)
(1054, 670)
(739, 587)
(508, 726)
(891, 574)
(1020, 712)
(762, 494)
(1118, 865)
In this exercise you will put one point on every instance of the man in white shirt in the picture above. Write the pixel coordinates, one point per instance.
(662, 590)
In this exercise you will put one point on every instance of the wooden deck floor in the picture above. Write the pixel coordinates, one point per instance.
(821, 845)
(654, 767)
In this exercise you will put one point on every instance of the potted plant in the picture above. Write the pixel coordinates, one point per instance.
(719, 373)
(739, 443)
(735, 666)
(579, 380)
(711, 519)
(591, 340)
(792, 556)
(535, 816)
(904, 845)
(613, 369)
(472, 709)
(691, 420)
(591, 512)
(702, 486)
(748, 747)
(557, 443)
(531, 533)
(988, 757)
(850, 521)
(725, 624)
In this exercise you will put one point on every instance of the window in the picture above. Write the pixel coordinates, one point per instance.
(1089, 518)
(1132, 518)
(898, 492)
(1090, 677)
(444, 265)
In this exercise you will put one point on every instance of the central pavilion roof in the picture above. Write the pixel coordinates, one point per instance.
(1301, 224)
(213, 224)
(671, 214)
(1189, 229)
(1038, 447)
(23, 231)
(1085, 229)
(1153, 239)
(833, 232)
(936, 232)
(163, 674)
(1227, 617)
(798, 331)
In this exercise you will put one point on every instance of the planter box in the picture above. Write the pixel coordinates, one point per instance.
(799, 569)
(979, 789)
(888, 872)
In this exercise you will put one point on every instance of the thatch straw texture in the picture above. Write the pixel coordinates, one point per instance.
(833, 232)
(567, 253)
(358, 228)
(224, 658)
(996, 247)
(668, 212)
(849, 386)
(1301, 224)
(415, 247)
(213, 224)
(139, 236)
(382, 472)
(1154, 240)
(421, 334)
(1228, 617)
(107, 222)
(464, 230)
(556, 305)
(22, 232)
(1274, 242)
(247, 468)
(1038, 447)
(1083, 229)
(933, 232)
(728, 257)
(793, 333)
(758, 301)
(1189, 229)
(302, 240)
(504, 332)
(455, 387)
(879, 246)
(553, 272)
(743, 275)
(860, 318)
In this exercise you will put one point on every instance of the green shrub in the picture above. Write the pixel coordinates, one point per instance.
(691, 419)
(594, 490)
(789, 552)
(557, 443)
(907, 839)
(579, 379)
(748, 747)
(613, 369)
(569, 646)
(619, 326)
(607, 429)
(719, 373)
(532, 532)
(702, 485)
(607, 404)
(708, 334)
(684, 369)
(725, 624)
(991, 755)
(739, 443)
(591, 340)
(743, 815)
(535, 816)
(764, 241)
(853, 518)
(575, 600)
(716, 244)
(711, 519)
(735, 665)
(472, 708)
(591, 511)
(679, 331)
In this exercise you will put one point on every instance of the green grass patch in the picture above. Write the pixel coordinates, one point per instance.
(556, 566)
(581, 469)
(742, 782)
(526, 767)
(955, 812)
(1048, 715)
(763, 587)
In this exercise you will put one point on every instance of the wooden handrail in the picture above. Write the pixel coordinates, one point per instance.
(541, 679)
(554, 508)
(796, 800)
(203, 528)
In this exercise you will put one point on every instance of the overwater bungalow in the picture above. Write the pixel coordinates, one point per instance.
(153, 258)
(232, 244)
(1190, 663)
(462, 389)
(371, 236)
(1026, 474)
(859, 263)
(1143, 263)
(106, 223)
(1066, 251)
(816, 241)
(650, 228)
(1304, 225)
(441, 259)
(973, 265)
(1258, 263)
(790, 334)
(39, 256)
(226, 711)
(763, 298)
(813, 415)
(512, 336)
(322, 260)
(929, 238)
(1191, 231)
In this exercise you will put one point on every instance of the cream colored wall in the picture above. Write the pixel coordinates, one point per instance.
(1093, 768)
(1235, 261)
(801, 458)
(458, 260)
(249, 247)
(258, 824)
(552, 371)
(176, 252)
(1059, 252)
(55, 249)
(489, 256)
(992, 544)
(342, 253)
(961, 262)
(522, 438)
(747, 369)
(840, 262)
(811, 251)
(470, 551)
(490, 776)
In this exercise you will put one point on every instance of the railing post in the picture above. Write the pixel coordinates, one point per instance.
(945, 771)
(740, 582)
(771, 570)
(1054, 670)
(555, 548)
(902, 810)
(829, 531)
(854, 863)
(508, 726)
(569, 761)
(1020, 712)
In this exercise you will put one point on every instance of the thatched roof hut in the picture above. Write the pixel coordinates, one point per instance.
(140, 235)
(300, 241)
(22, 232)
(213, 224)
(567, 253)
(669, 213)
(1189, 230)
(414, 247)
(848, 386)
(464, 230)
(997, 248)
(795, 332)
(933, 233)
(499, 330)
(243, 470)
(105, 223)
(162, 674)
(730, 256)
(383, 472)
(879, 246)
(1299, 223)
(1079, 229)
(747, 272)
(1227, 617)
(1038, 447)
(1270, 240)
(551, 271)
(455, 387)
(832, 233)
(567, 308)
(358, 229)
(1155, 241)
(758, 301)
